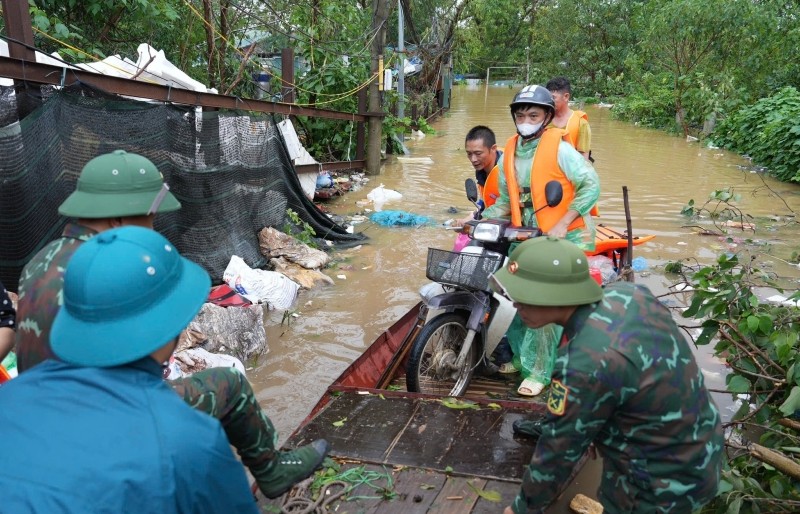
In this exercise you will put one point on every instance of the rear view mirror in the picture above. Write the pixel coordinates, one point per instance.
(472, 190)
(553, 193)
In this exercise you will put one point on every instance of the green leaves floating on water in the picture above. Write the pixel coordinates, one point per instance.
(455, 403)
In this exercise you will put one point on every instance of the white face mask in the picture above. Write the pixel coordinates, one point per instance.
(528, 129)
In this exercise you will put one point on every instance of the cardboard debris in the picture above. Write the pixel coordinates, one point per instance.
(307, 278)
(275, 243)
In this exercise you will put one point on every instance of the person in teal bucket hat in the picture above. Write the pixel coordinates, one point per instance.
(624, 380)
(120, 189)
(99, 430)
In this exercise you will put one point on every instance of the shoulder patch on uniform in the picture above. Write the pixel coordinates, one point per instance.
(557, 402)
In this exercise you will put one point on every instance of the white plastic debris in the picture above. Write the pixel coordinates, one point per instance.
(381, 195)
(260, 286)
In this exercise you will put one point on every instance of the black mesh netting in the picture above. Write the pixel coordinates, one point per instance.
(230, 171)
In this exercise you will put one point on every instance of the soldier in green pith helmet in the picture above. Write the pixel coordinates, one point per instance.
(124, 189)
(624, 380)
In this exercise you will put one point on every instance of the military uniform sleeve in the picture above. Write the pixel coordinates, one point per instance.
(502, 207)
(578, 407)
(583, 176)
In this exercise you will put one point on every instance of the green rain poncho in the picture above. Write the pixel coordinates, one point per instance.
(535, 349)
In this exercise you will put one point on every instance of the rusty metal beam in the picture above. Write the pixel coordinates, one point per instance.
(41, 73)
(330, 166)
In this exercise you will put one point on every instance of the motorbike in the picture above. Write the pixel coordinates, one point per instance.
(452, 344)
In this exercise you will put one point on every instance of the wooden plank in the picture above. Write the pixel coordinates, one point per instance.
(507, 490)
(422, 433)
(475, 442)
(416, 490)
(457, 497)
(368, 425)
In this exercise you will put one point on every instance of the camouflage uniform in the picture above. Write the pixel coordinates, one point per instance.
(224, 393)
(626, 380)
(40, 295)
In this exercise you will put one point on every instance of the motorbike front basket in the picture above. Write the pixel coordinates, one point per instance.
(466, 270)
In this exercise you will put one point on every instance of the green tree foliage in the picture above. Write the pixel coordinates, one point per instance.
(769, 132)
(716, 29)
(495, 34)
(334, 45)
(759, 341)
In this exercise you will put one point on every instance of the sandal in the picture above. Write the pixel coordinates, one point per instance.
(507, 368)
(530, 387)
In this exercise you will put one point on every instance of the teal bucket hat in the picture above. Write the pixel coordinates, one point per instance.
(547, 271)
(119, 184)
(127, 292)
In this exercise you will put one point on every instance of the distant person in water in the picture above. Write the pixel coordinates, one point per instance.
(575, 123)
(625, 380)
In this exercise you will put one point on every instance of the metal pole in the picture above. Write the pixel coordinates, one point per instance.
(401, 75)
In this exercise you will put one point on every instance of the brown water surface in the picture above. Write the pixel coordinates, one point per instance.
(662, 172)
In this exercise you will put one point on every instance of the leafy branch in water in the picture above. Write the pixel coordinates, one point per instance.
(721, 209)
(759, 341)
(299, 229)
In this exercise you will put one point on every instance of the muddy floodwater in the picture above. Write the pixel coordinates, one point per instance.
(662, 172)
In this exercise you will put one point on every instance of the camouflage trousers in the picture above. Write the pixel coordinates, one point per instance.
(225, 394)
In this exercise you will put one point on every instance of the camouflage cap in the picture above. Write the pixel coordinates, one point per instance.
(119, 184)
(547, 271)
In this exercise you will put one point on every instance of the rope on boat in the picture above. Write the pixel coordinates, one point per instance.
(302, 503)
(321, 485)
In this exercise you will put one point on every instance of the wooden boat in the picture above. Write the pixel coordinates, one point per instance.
(419, 453)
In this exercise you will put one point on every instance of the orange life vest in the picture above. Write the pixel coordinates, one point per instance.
(544, 168)
(571, 132)
(490, 191)
(573, 127)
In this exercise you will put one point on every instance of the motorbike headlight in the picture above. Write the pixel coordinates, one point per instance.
(491, 232)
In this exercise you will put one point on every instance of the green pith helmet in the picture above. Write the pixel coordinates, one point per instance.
(548, 271)
(119, 184)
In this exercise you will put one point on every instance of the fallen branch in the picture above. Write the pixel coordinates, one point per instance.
(789, 423)
(704, 231)
(775, 459)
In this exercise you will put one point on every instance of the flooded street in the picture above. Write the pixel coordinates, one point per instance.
(662, 172)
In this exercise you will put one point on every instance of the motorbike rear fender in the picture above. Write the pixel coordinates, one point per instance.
(475, 303)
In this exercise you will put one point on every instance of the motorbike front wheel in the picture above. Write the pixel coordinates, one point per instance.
(431, 365)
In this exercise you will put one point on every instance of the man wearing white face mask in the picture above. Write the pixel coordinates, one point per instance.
(533, 157)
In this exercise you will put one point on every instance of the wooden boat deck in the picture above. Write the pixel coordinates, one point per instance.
(425, 454)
